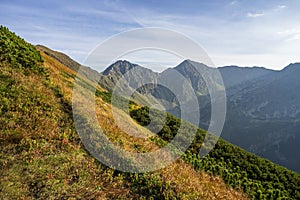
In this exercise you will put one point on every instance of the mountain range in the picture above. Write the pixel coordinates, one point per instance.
(263, 106)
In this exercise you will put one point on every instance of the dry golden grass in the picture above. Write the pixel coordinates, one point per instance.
(116, 134)
(41, 156)
(198, 185)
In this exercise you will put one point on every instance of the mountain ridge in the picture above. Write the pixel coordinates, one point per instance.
(246, 86)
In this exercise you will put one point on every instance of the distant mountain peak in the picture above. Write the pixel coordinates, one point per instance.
(121, 66)
(122, 62)
(292, 66)
(188, 62)
(191, 62)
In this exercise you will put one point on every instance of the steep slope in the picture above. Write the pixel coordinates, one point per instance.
(194, 71)
(280, 88)
(264, 116)
(64, 59)
(41, 155)
(134, 74)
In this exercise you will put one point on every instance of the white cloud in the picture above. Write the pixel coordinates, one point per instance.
(288, 31)
(279, 7)
(266, 12)
(290, 34)
(254, 15)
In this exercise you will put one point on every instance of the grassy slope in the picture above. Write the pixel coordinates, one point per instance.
(42, 157)
(259, 178)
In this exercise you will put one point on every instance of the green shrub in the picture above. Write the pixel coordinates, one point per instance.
(19, 53)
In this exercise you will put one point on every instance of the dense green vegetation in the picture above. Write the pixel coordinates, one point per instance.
(258, 177)
(17, 52)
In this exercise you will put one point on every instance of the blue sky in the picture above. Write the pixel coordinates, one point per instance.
(244, 33)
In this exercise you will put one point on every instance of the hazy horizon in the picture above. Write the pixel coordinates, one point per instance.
(157, 66)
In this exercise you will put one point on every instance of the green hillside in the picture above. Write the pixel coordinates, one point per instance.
(42, 157)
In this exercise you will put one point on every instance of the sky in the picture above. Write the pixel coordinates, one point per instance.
(244, 33)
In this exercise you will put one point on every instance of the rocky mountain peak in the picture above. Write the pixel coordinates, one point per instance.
(120, 66)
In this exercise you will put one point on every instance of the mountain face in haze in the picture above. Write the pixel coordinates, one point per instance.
(235, 75)
(135, 75)
(272, 97)
(193, 72)
(264, 117)
(120, 67)
(263, 106)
